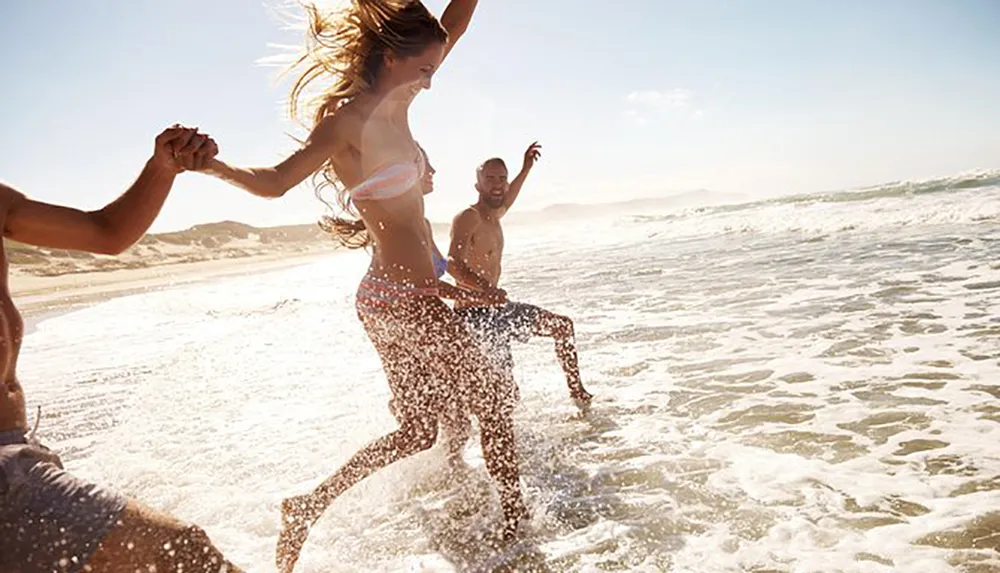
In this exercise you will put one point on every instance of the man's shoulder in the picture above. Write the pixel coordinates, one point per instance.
(467, 216)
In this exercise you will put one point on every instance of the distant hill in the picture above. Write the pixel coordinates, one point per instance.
(210, 241)
(643, 206)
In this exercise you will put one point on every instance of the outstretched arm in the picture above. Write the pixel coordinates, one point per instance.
(272, 182)
(119, 224)
(456, 19)
(533, 154)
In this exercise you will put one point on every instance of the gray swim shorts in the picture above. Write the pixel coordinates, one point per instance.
(499, 326)
(50, 521)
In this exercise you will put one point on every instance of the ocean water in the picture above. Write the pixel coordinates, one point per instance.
(808, 384)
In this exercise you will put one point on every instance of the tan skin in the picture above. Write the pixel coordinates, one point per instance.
(368, 132)
(137, 540)
(457, 426)
(446, 289)
(476, 255)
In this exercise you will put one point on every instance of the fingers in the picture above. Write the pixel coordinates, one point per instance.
(168, 134)
(198, 153)
(170, 138)
(181, 141)
(534, 151)
(193, 143)
(184, 154)
(204, 154)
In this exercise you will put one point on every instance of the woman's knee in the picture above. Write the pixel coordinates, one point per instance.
(418, 435)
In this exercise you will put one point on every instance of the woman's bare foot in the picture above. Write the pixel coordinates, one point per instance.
(297, 515)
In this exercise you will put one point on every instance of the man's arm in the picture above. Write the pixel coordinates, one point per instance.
(118, 225)
(462, 230)
(456, 19)
(452, 292)
(533, 154)
(273, 182)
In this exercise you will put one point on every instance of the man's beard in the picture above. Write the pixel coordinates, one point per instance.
(493, 201)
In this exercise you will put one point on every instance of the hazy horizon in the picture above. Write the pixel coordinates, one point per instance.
(721, 198)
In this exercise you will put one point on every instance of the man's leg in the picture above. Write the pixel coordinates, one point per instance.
(53, 520)
(146, 540)
(560, 328)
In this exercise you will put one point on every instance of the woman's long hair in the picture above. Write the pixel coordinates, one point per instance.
(350, 46)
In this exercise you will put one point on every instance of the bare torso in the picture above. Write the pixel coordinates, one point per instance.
(402, 242)
(12, 409)
(484, 255)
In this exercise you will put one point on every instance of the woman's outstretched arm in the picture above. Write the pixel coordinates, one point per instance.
(456, 19)
(271, 182)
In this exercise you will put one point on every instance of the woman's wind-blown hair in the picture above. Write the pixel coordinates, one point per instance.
(349, 46)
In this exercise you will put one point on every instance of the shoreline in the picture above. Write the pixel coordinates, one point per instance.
(38, 298)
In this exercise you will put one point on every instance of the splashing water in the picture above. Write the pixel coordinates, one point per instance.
(816, 392)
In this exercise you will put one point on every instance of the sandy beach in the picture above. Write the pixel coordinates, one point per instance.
(47, 281)
(38, 296)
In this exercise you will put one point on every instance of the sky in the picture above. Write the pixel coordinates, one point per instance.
(629, 99)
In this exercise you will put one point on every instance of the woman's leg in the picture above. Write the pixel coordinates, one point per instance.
(456, 429)
(417, 432)
(460, 358)
(299, 513)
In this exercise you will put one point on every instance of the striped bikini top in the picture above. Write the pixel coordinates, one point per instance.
(390, 181)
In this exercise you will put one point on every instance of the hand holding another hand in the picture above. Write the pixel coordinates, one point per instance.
(178, 149)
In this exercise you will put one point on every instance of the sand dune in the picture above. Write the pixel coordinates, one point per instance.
(46, 279)
(207, 242)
